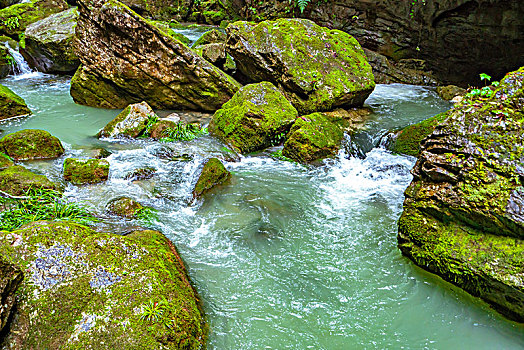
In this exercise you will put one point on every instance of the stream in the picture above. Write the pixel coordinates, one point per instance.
(284, 256)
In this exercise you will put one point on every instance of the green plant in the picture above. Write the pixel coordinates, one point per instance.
(302, 4)
(147, 216)
(484, 76)
(151, 120)
(183, 132)
(153, 312)
(12, 22)
(278, 155)
(413, 3)
(40, 204)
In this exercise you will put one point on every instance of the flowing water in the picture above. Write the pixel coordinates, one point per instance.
(285, 256)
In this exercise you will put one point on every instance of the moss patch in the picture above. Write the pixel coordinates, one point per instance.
(11, 105)
(86, 171)
(17, 181)
(214, 173)
(31, 144)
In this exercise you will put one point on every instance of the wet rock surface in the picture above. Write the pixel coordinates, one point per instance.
(17, 181)
(86, 171)
(213, 174)
(462, 215)
(11, 105)
(126, 59)
(10, 279)
(31, 144)
(131, 122)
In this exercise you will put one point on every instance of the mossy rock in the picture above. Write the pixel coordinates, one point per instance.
(449, 92)
(407, 141)
(89, 290)
(314, 137)
(213, 174)
(214, 36)
(166, 28)
(49, 43)
(100, 153)
(463, 214)
(257, 117)
(86, 171)
(161, 128)
(11, 105)
(17, 181)
(124, 207)
(317, 68)
(131, 122)
(5, 161)
(6, 60)
(31, 144)
(141, 174)
(15, 19)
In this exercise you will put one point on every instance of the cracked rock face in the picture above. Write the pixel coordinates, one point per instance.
(127, 59)
(463, 214)
(89, 290)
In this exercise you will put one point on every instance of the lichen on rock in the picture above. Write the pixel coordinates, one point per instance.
(17, 181)
(124, 207)
(213, 174)
(131, 122)
(11, 105)
(15, 18)
(257, 117)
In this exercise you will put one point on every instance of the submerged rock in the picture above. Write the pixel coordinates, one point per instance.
(124, 207)
(213, 174)
(314, 137)
(99, 153)
(17, 181)
(141, 174)
(86, 171)
(463, 214)
(407, 141)
(89, 290)
(257, 117)
(11, 105)
(15, 19)
(11, 277)
(126, 59)
(131, 122)
(318, 69)
(49, 43)
(31, 144)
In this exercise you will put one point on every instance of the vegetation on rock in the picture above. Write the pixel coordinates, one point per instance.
(18, 181)
(31, 144)
(86, 171)
(11, 105)
(131, 122)
(214, 173)
(15, 18)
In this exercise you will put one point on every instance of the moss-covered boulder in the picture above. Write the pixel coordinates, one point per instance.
(407, 141)
(17, 181)
(86, 171)
(161, 128)
(11, 105)
(126, 59)
(6, 60)
(449, 92)
(15, 18)
(168, 30)
(213, 174)
(124, 207)
(89, 290)
(314, 137)
(131, 122)
(463, 214)
(31, 144)
(49, 43)
(5, 161)
(317, 68)
(11, 277)
(257, 117)
(99, 153)
(214, 36)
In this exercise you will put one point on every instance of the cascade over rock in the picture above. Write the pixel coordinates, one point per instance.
(318, 69)
(463, 214)
(127, 59)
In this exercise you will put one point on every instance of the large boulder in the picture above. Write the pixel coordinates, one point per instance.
(127, 59)
(10, 279)
(17, 181)
(49, 43)
(11, 105)
(213, 174)
(318, 69)
(86, 171)
(31, 144)
(131, 122)
(15, 19)
(463, 214)
(257, 117)
(89, 290)
(314, 137)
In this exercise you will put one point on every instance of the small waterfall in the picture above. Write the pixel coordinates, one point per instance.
(20, 66)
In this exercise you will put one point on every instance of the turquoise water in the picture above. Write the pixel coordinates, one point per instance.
(285, 256)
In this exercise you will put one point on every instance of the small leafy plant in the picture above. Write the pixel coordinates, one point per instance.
(153, 312)
(40, 204)
(12, 23)
(183, 132)
(487, 90)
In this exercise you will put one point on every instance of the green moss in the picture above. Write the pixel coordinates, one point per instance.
(407, 141)
(5, 161)
(17, 181)
(11, 105)
(86, 171)
(104, 288)
(15, 18)
(31, 144)
(124, 207)
(312, 138)
(256, 117)
(214, 173)
(131, 122)
(210, 37)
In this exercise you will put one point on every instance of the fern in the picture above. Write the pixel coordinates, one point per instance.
(302, 4)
